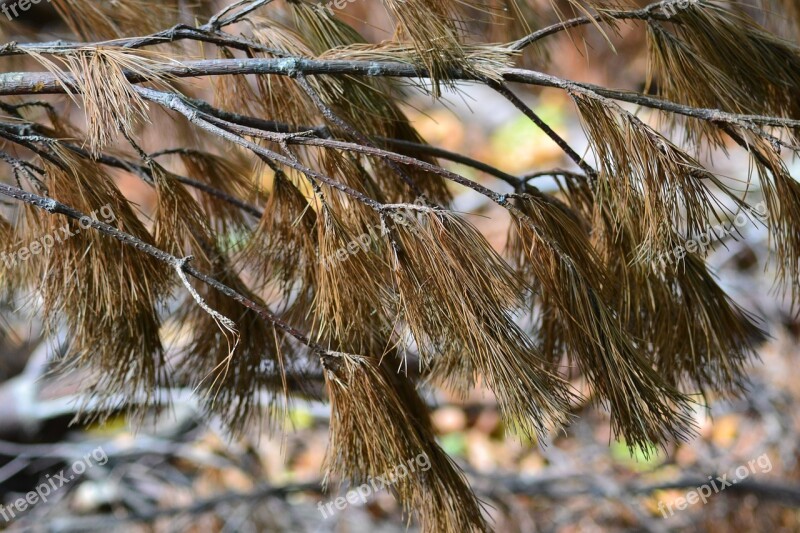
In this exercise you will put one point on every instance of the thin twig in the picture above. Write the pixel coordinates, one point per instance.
(646, 13)
(542, 125)
(348, 128)
(216, 22)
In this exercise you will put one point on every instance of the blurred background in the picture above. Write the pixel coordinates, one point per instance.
(182, 473)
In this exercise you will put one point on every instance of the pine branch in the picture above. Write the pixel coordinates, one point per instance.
(323, 133)
(57, 208)
(582, 264)
(31, 83)
(116, 162)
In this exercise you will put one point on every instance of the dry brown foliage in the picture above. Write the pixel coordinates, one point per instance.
(250, 255)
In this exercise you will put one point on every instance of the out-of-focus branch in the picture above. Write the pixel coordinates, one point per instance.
(556, 486)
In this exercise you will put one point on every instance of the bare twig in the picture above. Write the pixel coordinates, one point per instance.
(528, 112)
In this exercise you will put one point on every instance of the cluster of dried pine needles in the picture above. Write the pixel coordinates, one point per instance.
(311, 172)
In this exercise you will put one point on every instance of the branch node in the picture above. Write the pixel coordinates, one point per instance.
(50, 205)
